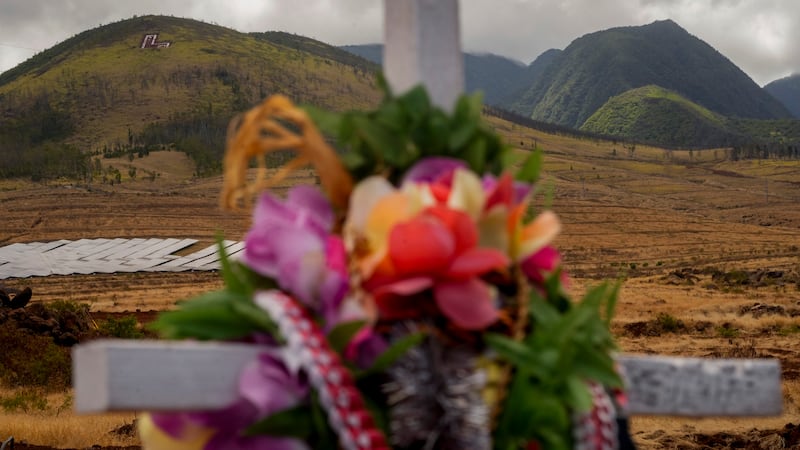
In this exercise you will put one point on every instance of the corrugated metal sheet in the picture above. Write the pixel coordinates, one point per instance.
(85, 256)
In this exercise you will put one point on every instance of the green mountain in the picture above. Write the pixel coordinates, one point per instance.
(654, 114)
(787, 91)
(598, 66)
(99, 91)
(498, 77)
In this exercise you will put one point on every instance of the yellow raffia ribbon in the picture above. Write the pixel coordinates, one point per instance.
(265, 129)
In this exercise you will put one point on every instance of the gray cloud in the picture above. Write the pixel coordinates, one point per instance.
(760, 36)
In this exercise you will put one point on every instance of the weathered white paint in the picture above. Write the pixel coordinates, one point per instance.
(422, 46)
(120, 375)
(702, 387)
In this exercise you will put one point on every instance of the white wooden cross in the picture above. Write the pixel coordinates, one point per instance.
(422, 46)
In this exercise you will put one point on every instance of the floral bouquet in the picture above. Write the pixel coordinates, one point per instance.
(414, 301)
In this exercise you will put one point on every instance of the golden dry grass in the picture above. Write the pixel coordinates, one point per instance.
(58, 426)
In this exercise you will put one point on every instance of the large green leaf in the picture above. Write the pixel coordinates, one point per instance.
(218, 315)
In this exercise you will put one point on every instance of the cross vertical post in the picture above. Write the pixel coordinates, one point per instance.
(423, 46)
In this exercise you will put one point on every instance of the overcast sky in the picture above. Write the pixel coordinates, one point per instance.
(762, 37)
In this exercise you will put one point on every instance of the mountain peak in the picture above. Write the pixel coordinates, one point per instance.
(664, 23)
(600, 65)
(787, 91)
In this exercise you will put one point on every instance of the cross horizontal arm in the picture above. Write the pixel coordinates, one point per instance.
(116, 375)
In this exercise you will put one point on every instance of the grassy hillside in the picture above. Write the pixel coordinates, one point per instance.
(106, 94)
(598, 66)
(654, 114)
(787, 91)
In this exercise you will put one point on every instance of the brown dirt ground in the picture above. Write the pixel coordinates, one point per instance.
(664, 224)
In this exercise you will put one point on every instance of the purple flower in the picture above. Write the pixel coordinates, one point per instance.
(290, 241)
(431, 169)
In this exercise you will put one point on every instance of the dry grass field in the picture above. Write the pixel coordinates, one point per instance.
(709, 250)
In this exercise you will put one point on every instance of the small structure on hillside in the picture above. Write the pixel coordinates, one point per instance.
(151, 41)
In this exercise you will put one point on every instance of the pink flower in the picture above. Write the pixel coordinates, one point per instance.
(290, 242)
(539, 265)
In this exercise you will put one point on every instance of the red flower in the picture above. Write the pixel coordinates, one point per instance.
(436, 254)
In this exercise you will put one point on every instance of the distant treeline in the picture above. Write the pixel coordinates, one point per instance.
(31, 143)
(764, 151)
(202, 138)
(759, 139)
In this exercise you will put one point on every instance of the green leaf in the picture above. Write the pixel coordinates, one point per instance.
(327, 121)
(229, 277)
(553, 440)
(342, 334)
(468, 108)
(379, 140)
(531, 168)
(578, 395)
(324, 438)
(210, 316)
(464, 121)
(595, 365)
(202, 324)
(391, 116)
(547, 412)
(475, 155)
(416, 103)
(396, 350)
(294, 422)
(436, 135)
(257, 317)
(355, 162)
(611, 303)
(514, 352)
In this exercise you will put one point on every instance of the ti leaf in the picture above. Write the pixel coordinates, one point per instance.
(531, 168)
(293, 422)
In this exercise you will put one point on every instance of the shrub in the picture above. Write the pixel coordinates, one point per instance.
(669, 323)
(123, 328)
(25, 400)
(789, 330)
(61, 306)
(31, 360)
(727, 330)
